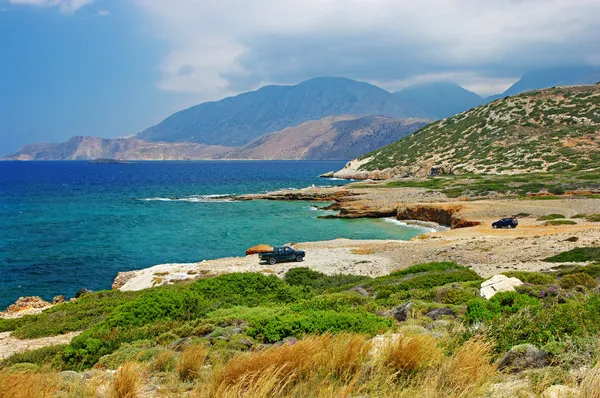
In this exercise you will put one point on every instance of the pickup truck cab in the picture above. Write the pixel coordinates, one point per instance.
(281, 254)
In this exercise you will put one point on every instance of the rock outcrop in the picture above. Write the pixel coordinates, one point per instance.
(442, 214)
(25, 306)
(497, 284)
(262, 248)
(524, 356)
(122, 278)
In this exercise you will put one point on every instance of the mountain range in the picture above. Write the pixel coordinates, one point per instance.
(257, 124)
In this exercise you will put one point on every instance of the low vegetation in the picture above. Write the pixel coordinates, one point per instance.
(551, 131)
(538, 186)
(421, 331)
(577, 255)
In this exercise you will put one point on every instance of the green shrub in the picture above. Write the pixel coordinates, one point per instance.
(480, 309)
(577, 279)
(68, 317)
(593, 218)
(336, 302)
(455, 295)
(560, 222)
(511, 302)
(592, 270)
(535, 278)
(139, 351)
(385, 286)
(556, 190)
(577, 255)
(543, 324)
(39, 356)
(428, 267)
(279, 327)
(553, 216)
(537, 291)
(318, 281)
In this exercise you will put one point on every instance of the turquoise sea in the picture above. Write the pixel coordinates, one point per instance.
(70, 225)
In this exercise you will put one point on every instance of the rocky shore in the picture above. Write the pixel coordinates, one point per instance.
(468, 239)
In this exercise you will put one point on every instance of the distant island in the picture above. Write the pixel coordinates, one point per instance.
(109, 161)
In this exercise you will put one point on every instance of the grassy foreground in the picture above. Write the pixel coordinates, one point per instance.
(423, 331)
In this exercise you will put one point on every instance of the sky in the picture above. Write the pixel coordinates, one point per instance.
(112, 68)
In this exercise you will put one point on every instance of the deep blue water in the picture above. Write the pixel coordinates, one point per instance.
(68, 225)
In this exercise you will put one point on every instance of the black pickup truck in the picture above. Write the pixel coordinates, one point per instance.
(281, 254)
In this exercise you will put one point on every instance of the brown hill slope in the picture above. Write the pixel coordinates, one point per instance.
(335, 137)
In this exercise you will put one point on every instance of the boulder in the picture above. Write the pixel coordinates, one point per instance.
(58, 299)
(262, 248)
(180, 344)
(524, 356)
(498, 283)
(402, 312)
(82, 292)
(437, 313)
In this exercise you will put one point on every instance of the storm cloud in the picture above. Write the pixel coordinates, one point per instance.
(228, 46)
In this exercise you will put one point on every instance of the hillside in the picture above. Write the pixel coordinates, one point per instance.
(550, 130)
(440, 99)
(86, 148)
(336, 137)
(238, 120)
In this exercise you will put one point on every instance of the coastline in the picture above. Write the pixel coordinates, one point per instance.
(464, 235)
(456, 230)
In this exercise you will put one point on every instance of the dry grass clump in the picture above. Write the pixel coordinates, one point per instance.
(590, 385)
(190, 362)
(466, 372)
(163, 361)
(126, 381)
(28, 384)
(302, 365)
(410, 353)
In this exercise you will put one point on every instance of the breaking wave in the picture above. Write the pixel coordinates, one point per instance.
(402, 223)
(193, 199)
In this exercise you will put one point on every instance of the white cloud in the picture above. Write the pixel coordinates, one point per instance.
(103, 13)
(67, 6)
(220, 47)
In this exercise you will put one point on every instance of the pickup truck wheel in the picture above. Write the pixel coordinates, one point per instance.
(299, 259)
(495, 226)
(272, 261)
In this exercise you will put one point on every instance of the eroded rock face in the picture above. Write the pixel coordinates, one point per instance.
(122, 278)
(26, 304)
(262, 248)
(498, 283)
(524, 356)
(58, 300)
(444, 215)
